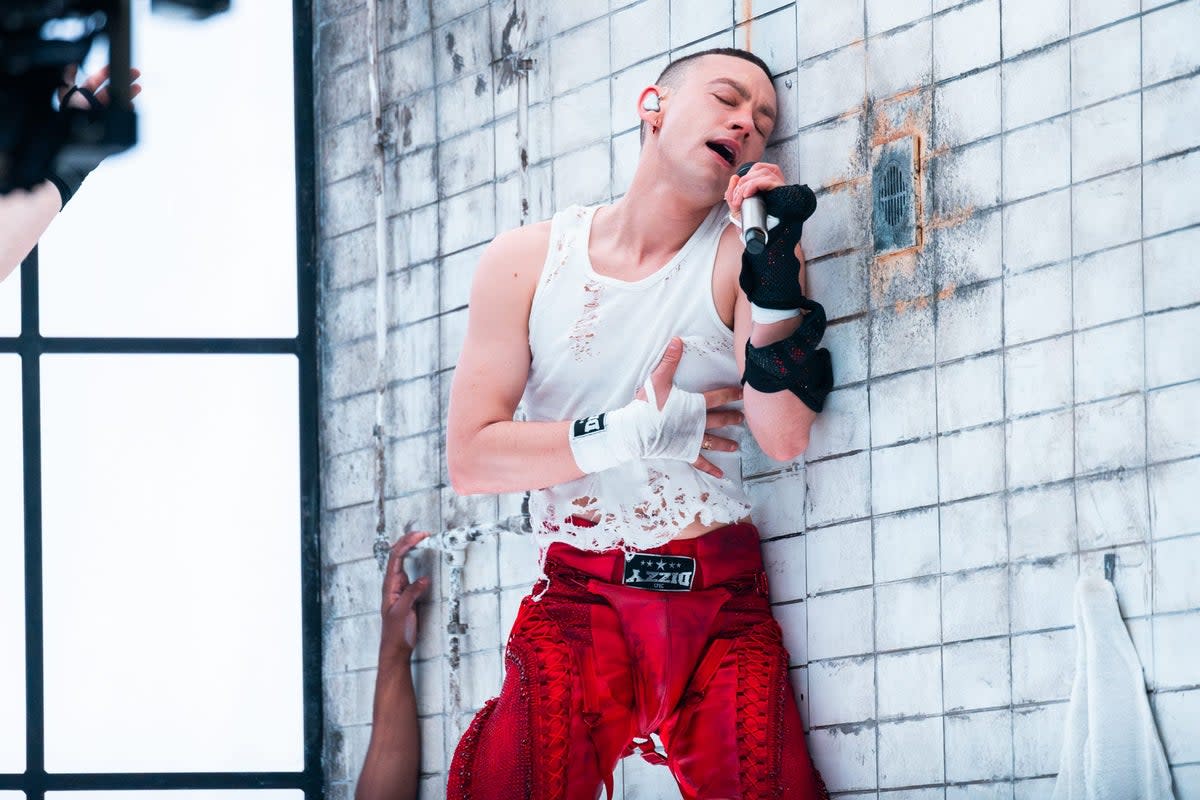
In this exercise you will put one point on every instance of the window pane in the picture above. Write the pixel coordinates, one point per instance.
(12, 571)
(10, 304)
(192, 232)
(172, 563)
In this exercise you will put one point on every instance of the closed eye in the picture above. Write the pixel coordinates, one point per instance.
(729, 102)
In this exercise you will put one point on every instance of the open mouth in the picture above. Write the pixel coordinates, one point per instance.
(724, 151)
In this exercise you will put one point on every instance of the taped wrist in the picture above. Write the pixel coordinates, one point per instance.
(640, 430)
(67, 177)
(795, 363)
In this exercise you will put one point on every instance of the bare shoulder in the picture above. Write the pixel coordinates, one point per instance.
(517, 254)
(725, 272)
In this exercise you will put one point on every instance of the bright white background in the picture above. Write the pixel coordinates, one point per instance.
(170, 483)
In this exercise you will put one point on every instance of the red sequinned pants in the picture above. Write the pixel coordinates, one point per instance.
(596, 666)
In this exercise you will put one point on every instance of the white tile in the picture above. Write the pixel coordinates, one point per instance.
(967, 109)
(773, 39)
(1186, 780)
(1177, 650)
(1037, 739)
(1037, 158)
(969, 252)
(1165, 108)
(848, 344)
(1108, 286)
(910, 753)
(967, 179)
(1176, 714)
(1041, 522)
(1110, 434)
(899, 61)
(840, 624)
(1173, 346)
(639, 32)
(842, 426)
(979, 746)
(821, 26)
(778, 503)
(836, 228)
(1037, 304)
(1168, 185)
(966, 38)
(1169, 280)
(1042, 593)
(793, 621)
(901, 340)
(1043, 666)
(1037, 86)
(1033, 23)
(830, 154)
(830, 84)
(906, 545)
(910, 684)
(976, 674)
(845, 756)
(1088, 14)
(1033, 788)
(841, 691)
(883, 15)
(971, 463)
(839, 557)
(1038, 376)
(980, 791)
(1037, 231)
(902, 407)
(837, 489)
(1131, 580)
(1106, 137)
(1172, 498)
(969, 321)
(1107, 211)
(784, 561)
(1175, 584)
(907, 614)
(975, 604)
(1111, 510)
(973, 534)
(1169, 41)
(691, 21)
(970, 392)
(1108, 360)
(1105, 63)
(904, 476)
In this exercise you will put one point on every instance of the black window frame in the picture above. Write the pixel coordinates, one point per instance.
(30, 345)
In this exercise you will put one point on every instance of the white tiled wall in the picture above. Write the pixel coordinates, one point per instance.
(1013, 402)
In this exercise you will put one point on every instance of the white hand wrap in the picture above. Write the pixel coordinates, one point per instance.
(640, 430)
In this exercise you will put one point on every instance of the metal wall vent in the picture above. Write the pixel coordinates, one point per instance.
(893, 187)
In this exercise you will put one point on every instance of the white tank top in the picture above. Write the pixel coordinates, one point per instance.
(594, 340)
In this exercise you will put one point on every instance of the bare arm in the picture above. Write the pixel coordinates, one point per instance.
(24, 217)
(392, 765)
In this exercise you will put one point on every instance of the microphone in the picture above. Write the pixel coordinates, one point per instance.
(754, 218)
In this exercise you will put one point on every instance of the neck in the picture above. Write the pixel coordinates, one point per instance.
(651, 221)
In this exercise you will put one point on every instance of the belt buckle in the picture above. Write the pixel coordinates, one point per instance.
(659, 573)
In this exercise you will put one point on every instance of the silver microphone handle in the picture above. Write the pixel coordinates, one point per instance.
(754, 224)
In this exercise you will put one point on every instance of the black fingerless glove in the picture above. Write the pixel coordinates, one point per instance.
(69, 176)
(771, 279)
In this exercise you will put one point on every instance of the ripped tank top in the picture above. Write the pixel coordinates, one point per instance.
(594, 339)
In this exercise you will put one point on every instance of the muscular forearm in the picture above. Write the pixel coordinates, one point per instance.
(779, 421)
(392, 766)
(512, 457)
(24, 216)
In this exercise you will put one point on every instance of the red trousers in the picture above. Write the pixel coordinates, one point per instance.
(678, 641)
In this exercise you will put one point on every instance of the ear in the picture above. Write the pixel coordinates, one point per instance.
(650, 105)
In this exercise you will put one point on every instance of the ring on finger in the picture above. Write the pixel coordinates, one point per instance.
(706, 444)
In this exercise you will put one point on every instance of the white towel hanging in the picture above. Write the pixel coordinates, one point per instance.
(1111, 748)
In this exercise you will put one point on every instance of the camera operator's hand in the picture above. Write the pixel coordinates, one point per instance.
(91, 95)
(399, 635)
(95, 84)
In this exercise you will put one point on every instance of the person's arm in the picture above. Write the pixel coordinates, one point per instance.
(779, 421)
(24, 217)
(486, 450)
(392, 765)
